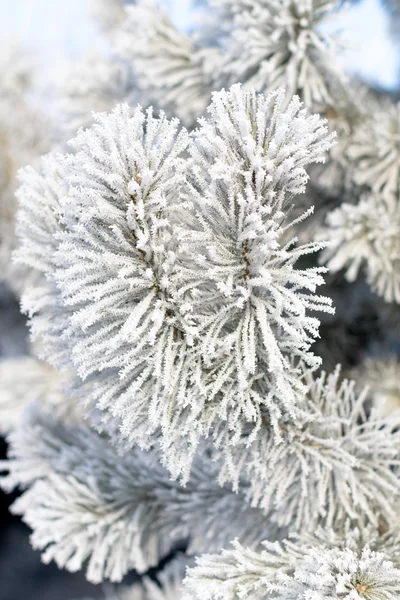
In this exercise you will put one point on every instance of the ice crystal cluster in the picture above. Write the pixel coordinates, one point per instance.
(210, 403)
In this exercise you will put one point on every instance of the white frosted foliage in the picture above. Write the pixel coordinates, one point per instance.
(374, 149)
(173, 71)
(338, 462)
(173, 290)
(321, 567)
(382, 376)
(94, 86)
(276, 43)
(367, 236)
(88, 504)
(176, 283)
(248, 300)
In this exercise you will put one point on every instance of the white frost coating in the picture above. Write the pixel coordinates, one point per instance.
(170, 294)
(262, 44)
(338, 462)
(319, 567)
(170, 290)
(87, 503)
(38, 219)
(244, 293)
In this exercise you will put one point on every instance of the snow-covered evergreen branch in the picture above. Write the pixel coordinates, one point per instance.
(340, 461)
(172, 283)
(173, 277)
(360, 564)
(173, 71)
(375, 148)
(280, 43)
(87, 502)
(367, 234)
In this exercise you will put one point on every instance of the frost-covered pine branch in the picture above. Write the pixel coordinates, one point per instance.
(375, 149)
(278, 43)
(87, 503)
(382, 376)
(358, 564)
(342, 464)
(249, 302)
(339, 462)
(367, 234)
(173, 289)
(94, 85)
(167, 586)
(102, 78)
(172, 277)
(264, 45)
(174, 71)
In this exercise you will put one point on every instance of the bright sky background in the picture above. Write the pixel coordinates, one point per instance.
(62, 29)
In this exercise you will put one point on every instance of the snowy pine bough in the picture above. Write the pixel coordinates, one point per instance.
(184, 262)
(168, 279)
(323, 565)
